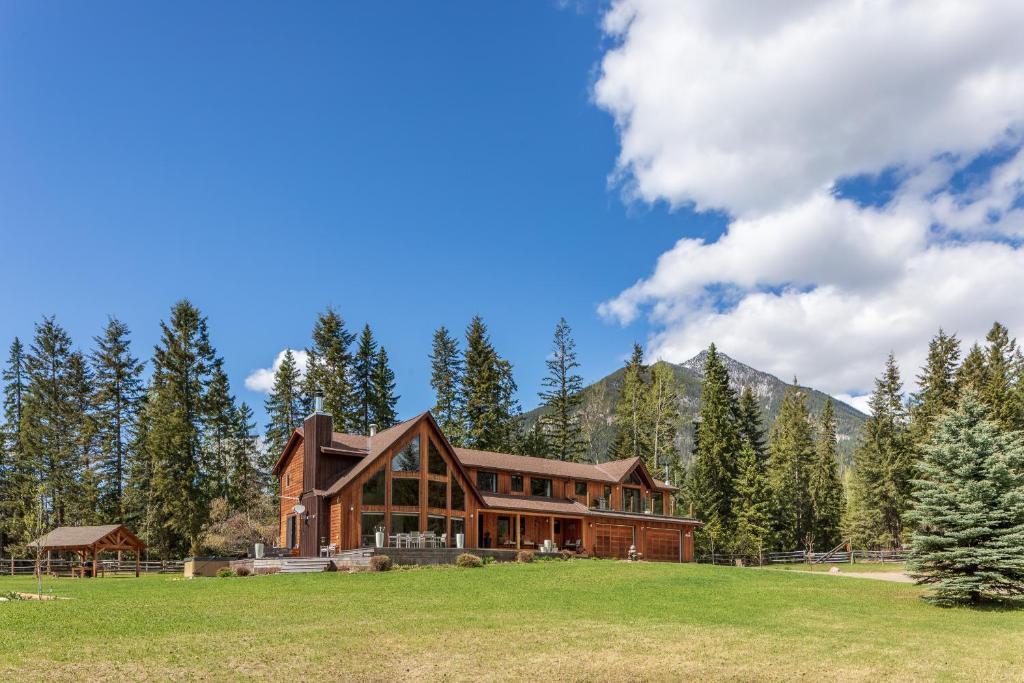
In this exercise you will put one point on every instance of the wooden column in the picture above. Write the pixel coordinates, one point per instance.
(518, 539)
(137, 553)
(551, 519)
(95, 557)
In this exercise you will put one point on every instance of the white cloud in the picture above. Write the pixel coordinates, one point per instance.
(262, 379)
(759, 109)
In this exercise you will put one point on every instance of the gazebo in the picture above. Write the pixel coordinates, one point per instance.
(91, 540)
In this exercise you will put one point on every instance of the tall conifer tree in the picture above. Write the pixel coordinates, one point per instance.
(383, 408)
(85, 493)
(750, 423)
(824, 486)
(561, 399)
(937, 390)
(999, 393)
(285, 408)
(246, 483)
(972, 374)
(364, 376)
(16, 469)
(490, 408)
(752, 505)
(630, 421)
(219, 428)
(790, 458)
(329, 369)
(446, 373)
(663, 413)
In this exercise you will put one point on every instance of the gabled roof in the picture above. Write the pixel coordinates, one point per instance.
(614, 472)
(82, 536)
(377, 444)
(561, 506)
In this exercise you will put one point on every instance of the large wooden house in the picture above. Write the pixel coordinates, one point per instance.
(338, 489)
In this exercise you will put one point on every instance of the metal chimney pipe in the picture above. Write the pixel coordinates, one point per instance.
(318, 403)
(373, 429)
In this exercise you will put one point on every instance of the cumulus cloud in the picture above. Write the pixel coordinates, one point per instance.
(762, 110)
(262, 379)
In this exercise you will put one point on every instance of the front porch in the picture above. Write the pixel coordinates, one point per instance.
(515, 531)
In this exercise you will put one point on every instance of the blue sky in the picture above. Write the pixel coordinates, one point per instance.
(411, 164)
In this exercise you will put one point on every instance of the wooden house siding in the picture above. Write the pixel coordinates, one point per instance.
(291, 478)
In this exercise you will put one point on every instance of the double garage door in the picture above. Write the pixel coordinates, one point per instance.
(662, 545)
(612, 540)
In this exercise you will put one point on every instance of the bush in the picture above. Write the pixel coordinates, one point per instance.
(487, 559)
(242, 571)
(468, 561)
(564, 555)
(524, 556)
(380, 563)
(225, 572)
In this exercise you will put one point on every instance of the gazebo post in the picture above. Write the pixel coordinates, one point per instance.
(137, 553)
(95, 556)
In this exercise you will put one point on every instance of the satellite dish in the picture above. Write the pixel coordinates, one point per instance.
(299, 509)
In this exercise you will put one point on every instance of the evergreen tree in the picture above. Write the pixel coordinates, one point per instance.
(884, 461)
(509, 411)
(750, 423)
(116, 403)
(561, 399)
(969, 509)
(285, 409)
(446, 371)
(663, 410)
(791, 455)
(174, 420)
(824, 487)
(247, 482)
(937, 391)
(219, 427)
(630, 420)
(329, 370)
(972, 374)
(999, 392)
(383, 411)
(85, 492)
(717, 445)
(752, 505)
(490, 409)
(16, 468)
(532, 442)
(364, 376)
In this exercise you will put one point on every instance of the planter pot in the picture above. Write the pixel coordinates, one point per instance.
(379, 538)
(260, 550)
(460, 540)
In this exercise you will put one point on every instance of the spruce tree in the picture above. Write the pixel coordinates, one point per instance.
(883, 463)
(85, 493)
(329, 369)
(116, 403)
(561, 399)
(937, 390)
(16, 468)
(969, 509)
(999, 393)
(364, 376)
(446, 373)
(972, 374)
(717, 445)
(824, 486)
(752, 505)
(791, 455)
(509, 410)
(219, 419)
(663, 413)
(383, 408)
(284, 406)
(246, 483)
(630, 420)
(490, 410)
(750, 423)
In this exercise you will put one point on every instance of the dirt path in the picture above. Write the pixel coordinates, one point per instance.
(895, 577)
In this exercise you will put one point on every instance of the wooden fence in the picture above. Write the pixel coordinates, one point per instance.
(27, 567)
(800, 556)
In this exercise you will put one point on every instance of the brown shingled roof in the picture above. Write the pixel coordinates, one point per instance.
(68, 537)
(531, 465)
(377, 445)
(562, 506)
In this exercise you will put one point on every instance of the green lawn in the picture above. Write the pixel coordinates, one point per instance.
(578, 620)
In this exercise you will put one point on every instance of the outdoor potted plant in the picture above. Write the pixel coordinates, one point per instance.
(460, 540)
(378, 532)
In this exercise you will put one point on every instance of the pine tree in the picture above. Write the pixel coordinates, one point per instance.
(751, 504)
(824, 486)
(329, 370)
(85, 492)
(750, 423)
(490, 408)
(509, 410)
(284, 406)
(364, 375)
(383, 412)
(246, 482)
(718, 443)
(16, 473)
(561, 399)
(884, 461)
(791, 454)
(972, 374)
(937, 392)
(630, 420)
(116, 403)
(663, 412)
(219, 428)
(176, 416)
(446, 372)
(999, 393)
(969, 509)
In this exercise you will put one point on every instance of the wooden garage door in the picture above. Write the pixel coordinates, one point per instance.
(612, 540)
(662, 545)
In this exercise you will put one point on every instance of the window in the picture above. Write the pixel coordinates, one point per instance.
(407, 459)
(487, 481)
(458, 496)
(437, 494)
(292, 536)
(405, 492)
(404, 522)
(438, 524)
(659, 503)
(368, 523)
(504, 529)
(632, 478)
(458, 527)
(630, 499)
(373, 489)
(540, 487)
(517, 483)
(581, 488)
(435, 463)
(288, 479)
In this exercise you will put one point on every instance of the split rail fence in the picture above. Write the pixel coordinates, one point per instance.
(27, 567)
(800, 556)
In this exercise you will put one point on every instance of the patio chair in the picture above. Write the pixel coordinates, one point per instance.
(443, 541)
(414, 539)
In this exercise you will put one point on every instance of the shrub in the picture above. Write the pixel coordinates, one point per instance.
(564, 555)
(487, 559)
(242, 571)
(380, 563)
(524, 556)
(225, 572)
(468, 561)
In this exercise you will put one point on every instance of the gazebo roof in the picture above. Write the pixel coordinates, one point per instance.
(103, 537)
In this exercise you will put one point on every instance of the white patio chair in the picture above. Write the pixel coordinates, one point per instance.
(414, 539)
(443, 541)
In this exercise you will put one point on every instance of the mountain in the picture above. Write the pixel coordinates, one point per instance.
(599, 401)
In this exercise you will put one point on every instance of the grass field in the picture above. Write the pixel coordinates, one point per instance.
(579, 620)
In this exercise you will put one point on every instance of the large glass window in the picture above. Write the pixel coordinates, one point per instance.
(403, 522)
(517, 483)
(373, 489)
(407, 459)
(292, 536)
(405, 492)
(458, 496)
(632, 478)
(504, 530)
(368, 523)
(487, 481)
(438, 524)
(581, 489)
(540, 487)
(458, 527)
(435, 463)
(659, 503)
(630, 499)
(437, 494)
